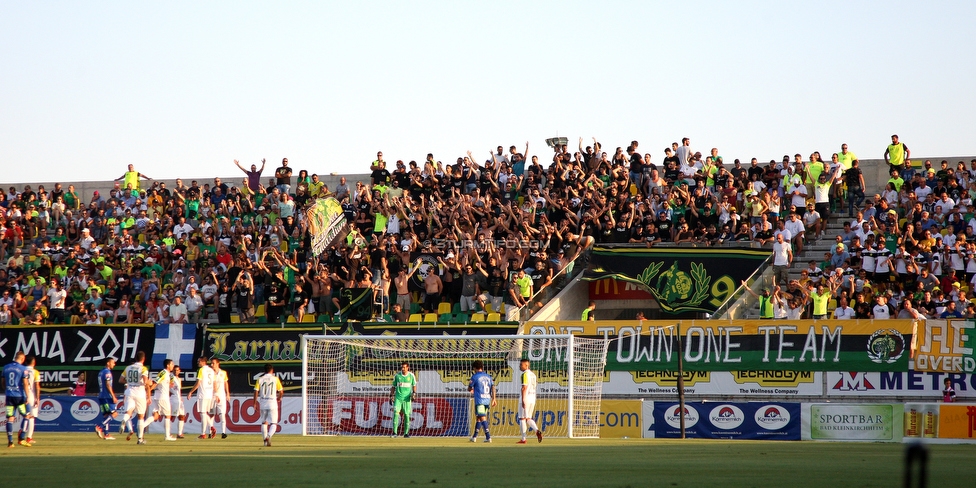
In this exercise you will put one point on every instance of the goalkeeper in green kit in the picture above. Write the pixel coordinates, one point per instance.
(401, 394)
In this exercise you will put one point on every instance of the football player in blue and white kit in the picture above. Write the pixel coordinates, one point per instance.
(106, 400)
(482, 388)
(15, 389)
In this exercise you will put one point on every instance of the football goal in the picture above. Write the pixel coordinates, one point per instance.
(347, 383)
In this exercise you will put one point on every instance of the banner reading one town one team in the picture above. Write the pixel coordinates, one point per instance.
(63, 351)
(326, 223)
(747, 345)
(945, 346)
(681, 280)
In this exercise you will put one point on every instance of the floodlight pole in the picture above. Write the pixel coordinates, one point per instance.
(681, 381)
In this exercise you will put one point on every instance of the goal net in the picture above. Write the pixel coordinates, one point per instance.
(348, 379)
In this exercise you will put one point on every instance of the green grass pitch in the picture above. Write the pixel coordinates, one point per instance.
(69, 460)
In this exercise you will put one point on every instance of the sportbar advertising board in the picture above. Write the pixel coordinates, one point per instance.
(880, 422)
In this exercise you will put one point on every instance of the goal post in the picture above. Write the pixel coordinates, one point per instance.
(347, 381)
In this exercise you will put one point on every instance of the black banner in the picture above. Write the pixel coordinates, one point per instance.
(681, 280)
(356, 303)
(63, 351)
(428, 264)
(243, 351)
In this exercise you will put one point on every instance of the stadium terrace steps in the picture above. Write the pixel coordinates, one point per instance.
(814, 249)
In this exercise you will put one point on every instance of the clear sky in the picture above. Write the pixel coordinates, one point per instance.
(183, 88)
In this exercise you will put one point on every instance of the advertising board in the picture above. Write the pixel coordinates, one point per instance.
(853, 422)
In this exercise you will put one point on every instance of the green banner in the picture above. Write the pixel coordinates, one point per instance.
(326, 223)
(762, 345)
(681, 280)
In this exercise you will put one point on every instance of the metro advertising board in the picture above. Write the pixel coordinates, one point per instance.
(718, 420)
(81, 414)
(915, 384)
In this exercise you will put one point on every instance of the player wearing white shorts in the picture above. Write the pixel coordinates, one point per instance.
(138, 388)
(161, 406)
(267, 393)
(176, 408)
(205, 383)
(33, 378)
(526, 407)
(221, 394)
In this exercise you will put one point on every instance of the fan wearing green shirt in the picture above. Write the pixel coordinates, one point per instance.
(401, 394)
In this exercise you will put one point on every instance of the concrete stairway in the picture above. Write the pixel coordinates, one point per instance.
(814, 250)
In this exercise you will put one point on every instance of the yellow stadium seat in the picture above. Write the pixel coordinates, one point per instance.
(478, 317)
(415, 317)
(443, 308)
(944, 232)
(430, 317)
(494, 317)
(259, 312)
(291, 319)
(235, 319)
(488, 308)
(309, 318)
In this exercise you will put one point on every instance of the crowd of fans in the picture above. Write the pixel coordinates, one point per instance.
(500, 231)
(909, 252)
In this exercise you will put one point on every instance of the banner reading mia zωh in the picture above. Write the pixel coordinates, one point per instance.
(681, 280)
(63, 351)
